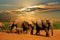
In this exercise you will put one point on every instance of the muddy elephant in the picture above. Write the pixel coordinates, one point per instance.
(12, 25)
(2, 26)
(27, 26)
(44, 25)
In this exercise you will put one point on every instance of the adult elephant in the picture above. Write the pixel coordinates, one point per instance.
(12, 25)
(27, 26)
(44, 25)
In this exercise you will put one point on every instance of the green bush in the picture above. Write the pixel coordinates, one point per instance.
(6, 25)
(56, 25)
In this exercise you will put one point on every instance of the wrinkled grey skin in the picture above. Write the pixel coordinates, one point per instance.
(12, 26)
(44, 25)
(27, 26)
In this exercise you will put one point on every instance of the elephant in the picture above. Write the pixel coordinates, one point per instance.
(44, 25)
(2, 26)
(27, 26)
(17, 29)
(12, 26)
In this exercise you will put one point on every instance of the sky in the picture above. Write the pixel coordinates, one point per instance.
(13, 4)
(45, 4)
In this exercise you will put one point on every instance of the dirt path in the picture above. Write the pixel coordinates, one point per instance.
(14, 36)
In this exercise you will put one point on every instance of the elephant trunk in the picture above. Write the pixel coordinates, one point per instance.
(52, 30)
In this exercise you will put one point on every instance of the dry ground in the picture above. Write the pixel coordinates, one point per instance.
(15, 36)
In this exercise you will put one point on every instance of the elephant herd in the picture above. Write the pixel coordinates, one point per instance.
(40, 25)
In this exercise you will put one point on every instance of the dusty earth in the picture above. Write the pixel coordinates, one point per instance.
(15, 36)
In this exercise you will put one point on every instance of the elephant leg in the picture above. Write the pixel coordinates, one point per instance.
(16, 26)
(18, 31)
(48, 28)
(37, 32)
(26, 31)
(32, 28)
(11, 29)
(47, 32)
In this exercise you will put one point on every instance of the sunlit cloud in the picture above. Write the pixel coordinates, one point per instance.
(49, 7)
(46, 7)
(53, 3)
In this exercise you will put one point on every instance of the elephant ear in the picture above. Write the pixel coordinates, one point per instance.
(26, 24)
(45, 23)
(39, 23)
(51, 22)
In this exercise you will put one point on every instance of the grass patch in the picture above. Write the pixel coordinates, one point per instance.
(6, 25)
(56, 25)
